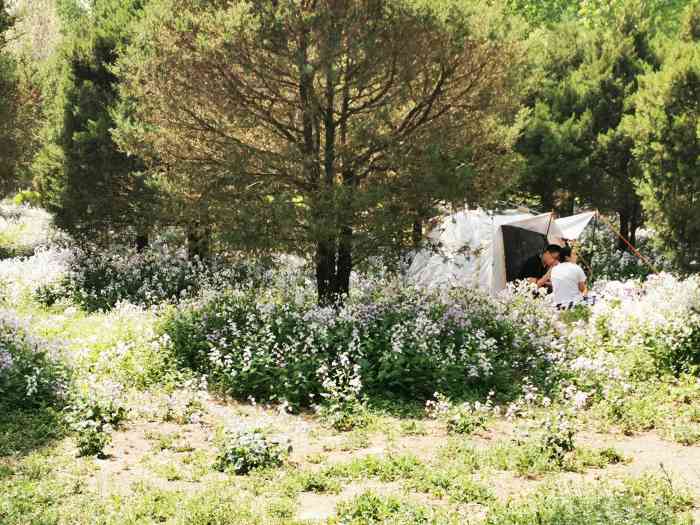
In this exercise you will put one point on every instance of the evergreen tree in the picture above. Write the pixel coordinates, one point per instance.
(83, 178)
(666, 133)
(11, 136)
(575, 148)
(305, 119)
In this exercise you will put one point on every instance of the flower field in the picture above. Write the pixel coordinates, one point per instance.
(140, 388)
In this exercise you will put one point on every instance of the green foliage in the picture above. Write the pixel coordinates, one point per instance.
(578, 94)
(452, 484)
(82, 176)
(413, 427)
(371, 509)
(404, 346)
(94, 413)
(241, 451)
(318, 482)
(667, 145)
(643, 501)
(686, 433)
(26, 197)
(22, 431)
(558, 437)
(390, 468)
(580, 312)
(99, 279)
(30, 375)
(345, 414)
(466, 421)
(543, 12)
(690, 23)
(340, 187)
(633, 410)
(599, 251)
(15, 108)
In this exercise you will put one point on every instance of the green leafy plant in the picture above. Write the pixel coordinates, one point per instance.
(94, 413)
(558, 437)
(466, 420)
(30, 374)
(244, 450)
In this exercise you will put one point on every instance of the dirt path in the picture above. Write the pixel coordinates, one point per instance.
(314, 447)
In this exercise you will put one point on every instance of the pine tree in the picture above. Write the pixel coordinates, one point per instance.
(299, 123)
(574, 145)
(666, 133)
(83, 177)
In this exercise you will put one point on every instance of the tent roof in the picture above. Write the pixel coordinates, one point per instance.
(572, 227)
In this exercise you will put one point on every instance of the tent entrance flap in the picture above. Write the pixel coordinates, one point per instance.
(520, 245)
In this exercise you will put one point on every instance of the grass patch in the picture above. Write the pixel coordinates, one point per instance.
(24, 431)
(641, 501)
(372, 509)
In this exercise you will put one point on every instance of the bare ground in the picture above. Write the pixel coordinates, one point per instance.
(135, 455)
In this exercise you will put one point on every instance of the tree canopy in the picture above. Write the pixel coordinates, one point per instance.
(313, 124)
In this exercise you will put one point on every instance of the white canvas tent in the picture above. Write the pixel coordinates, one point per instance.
(476, 249)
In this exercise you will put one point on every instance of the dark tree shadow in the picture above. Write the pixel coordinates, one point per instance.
(23, 431)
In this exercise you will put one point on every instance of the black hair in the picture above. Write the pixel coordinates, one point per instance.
(565, 253)
(553, 248)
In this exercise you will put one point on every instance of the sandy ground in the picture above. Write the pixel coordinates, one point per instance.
(135, 449)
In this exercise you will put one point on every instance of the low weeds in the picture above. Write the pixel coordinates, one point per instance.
(640, 501)
(244, 450)
(372, 509)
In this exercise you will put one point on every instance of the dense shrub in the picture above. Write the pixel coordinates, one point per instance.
(22, 277)
(23, 229)
(98, 279)
(30, 376)
(639, 337)
(653, 326)
(243, 450)
(389, 339)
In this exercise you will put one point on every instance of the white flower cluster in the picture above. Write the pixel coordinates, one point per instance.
(22, 276)
(25, 228)
(29, 369)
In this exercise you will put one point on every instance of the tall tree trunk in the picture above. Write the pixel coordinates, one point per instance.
(141, 241)
(344, 265)
(635, 221)
(333, 269)
(199, 241)
(417, 233)
(624, 228)
(325, 271)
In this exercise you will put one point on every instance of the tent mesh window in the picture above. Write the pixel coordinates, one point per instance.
(519, 246)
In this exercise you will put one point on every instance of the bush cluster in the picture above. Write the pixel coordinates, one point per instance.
(391, 340)
(98, 279)
(30, 376)
(95, 412)
(243, 450)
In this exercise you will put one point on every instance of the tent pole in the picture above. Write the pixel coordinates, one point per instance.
(595, 240)
(629, 244)
(549, 226)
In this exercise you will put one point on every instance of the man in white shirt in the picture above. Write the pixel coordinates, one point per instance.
(568, 280)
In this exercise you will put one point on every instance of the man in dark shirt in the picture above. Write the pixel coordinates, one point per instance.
(536, 268)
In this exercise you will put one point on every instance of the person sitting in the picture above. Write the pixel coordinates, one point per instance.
(568, 281)
(536, 269)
